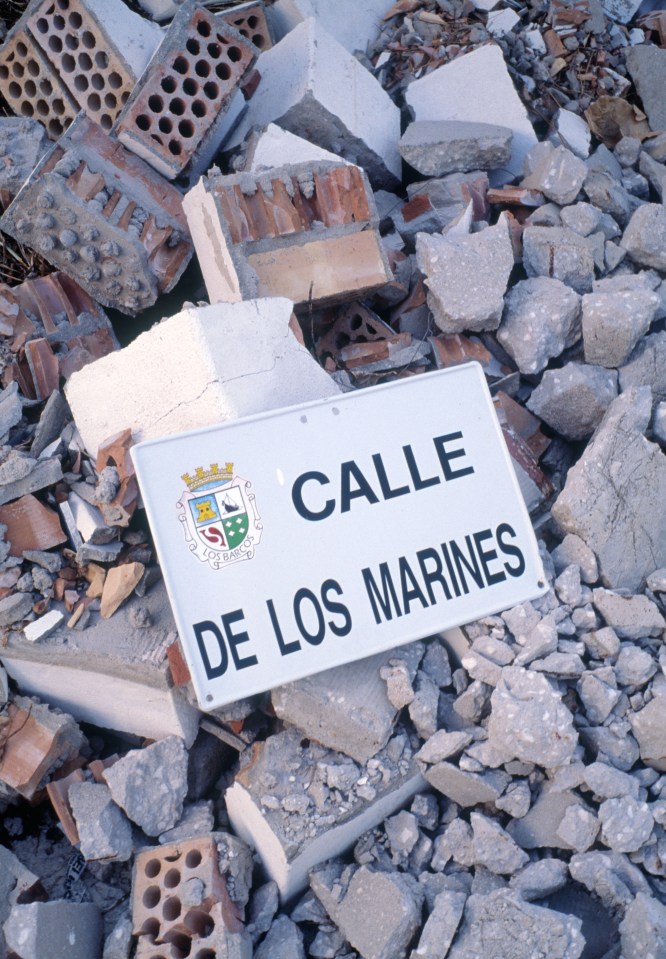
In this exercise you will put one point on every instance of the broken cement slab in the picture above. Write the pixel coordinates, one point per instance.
(242, 358)
(438, 147)
(112, 674)
(352, 24)
(476, 87)
(273, 147)
(311, 86)
(281, 803)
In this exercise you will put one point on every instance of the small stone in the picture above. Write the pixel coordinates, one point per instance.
(516, 800)
(614, 322)
(607, 782)
(568, 586)
(598, 698)
(494, 848)
(645, 236)
(573, 551)
(582, 218)
(442, 744)
(554, 171)
(284, 940)
(540, 879)
(402, 832)
(634, 666)
(648, 726)
(560, 254)
(578, 828)
(626, 824)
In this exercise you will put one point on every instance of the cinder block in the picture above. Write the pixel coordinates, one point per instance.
(476, 87)
(313, 87)
(30, 84)
(105, 218)
(307, 232)
(99, 48)
(240, 358)
(177, 115)
(281, 801)
(351, 23)
(22, 144)
(83, 331)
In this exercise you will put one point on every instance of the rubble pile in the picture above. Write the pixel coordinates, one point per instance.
(370, 192)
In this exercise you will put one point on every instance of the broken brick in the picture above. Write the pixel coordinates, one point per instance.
(31, 525)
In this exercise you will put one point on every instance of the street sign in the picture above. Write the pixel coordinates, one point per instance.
(304, 538)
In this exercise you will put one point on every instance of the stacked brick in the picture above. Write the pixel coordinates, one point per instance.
(105, 218)
(179, 112)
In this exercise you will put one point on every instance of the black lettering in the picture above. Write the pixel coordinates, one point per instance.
(297, 496)
(212, 672)
(313, 638)
(487, 556)
(418, 482)
(285, 648)
(446, 455)
(433, 575)
(410, 591)
(449, 566)
(331, 586)
(384, 484)
(235, 639)
(387, 599)
(471, 564)
(348, 470)
(510, 550)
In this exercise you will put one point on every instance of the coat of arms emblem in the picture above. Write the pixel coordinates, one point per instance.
(219, 516)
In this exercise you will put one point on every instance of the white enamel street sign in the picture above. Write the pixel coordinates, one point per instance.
(312, 536)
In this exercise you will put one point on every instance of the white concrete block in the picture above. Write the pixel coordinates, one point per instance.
(41, 627)
(502, 21)
(313, 87)
(572, 132)
(200, 367)
(353, 24)
(275, 147)
(135, 38)
(476, 87)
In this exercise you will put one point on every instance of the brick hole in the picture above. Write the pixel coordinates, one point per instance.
(181, 944)
(110, 101)
(33, 68)
(172, 856)
(165, 125)
(97, 81)
(68, 63)
(199, 923)
(253, 22)
(193, 859)
(81, 83)
(55, 129)
(94, 102)
(42, 108)
(180, 65)
(203, 28)
(214, 50)
(151, 927)
(115, 81)
(151, 897)
(46, 87)
(152, 868)
(155, 103)
(222, 40)
(175, 147)
(27, 109)
(258, 41)
(87, 39)
(63, 4)
(59, 22)
(17, 70)
(169, 84)
(4, 72)
(143, 123)
(186, 128)
(154, 136)
(223, 70)
(124, 96)
(177, 106)
(106, 122)
(75, 20)
(199, 109)
(190, 87)
(71, 42)
(29, 88)
(202, 68)
(85, 61)
(172, 878)
(193, 46)
(101, 60)
(58, 107)
(171, 909)
(234, 54)
(42, 25)
(211, 90)
(15, 90)
(21, 50)
(205, 954)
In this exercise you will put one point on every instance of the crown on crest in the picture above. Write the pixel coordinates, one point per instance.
(207, 477)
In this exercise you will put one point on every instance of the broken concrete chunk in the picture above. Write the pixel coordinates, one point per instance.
(15, 608)
(467, 276)
(466, 788)
(613, 498)
(243, 358)
(614, 322)
(435, 148)
(104, 831)
(647, 366)
(645, 236)
(626, 824)
(493, 848)
(646, 63)
(610, 876)
(305, 231)
(578, 828)
(476, 88)
(284, 940)
(648, 725)
(559, 253)
(281, 801)
(632, 617)
(541, 318)
(441, 925)
(539, 827)
(311, 86)
(22, 144)
(60, 930)
(528, 720)
(554, 171)
(150, 784)
(572, 400)
(643, 928)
